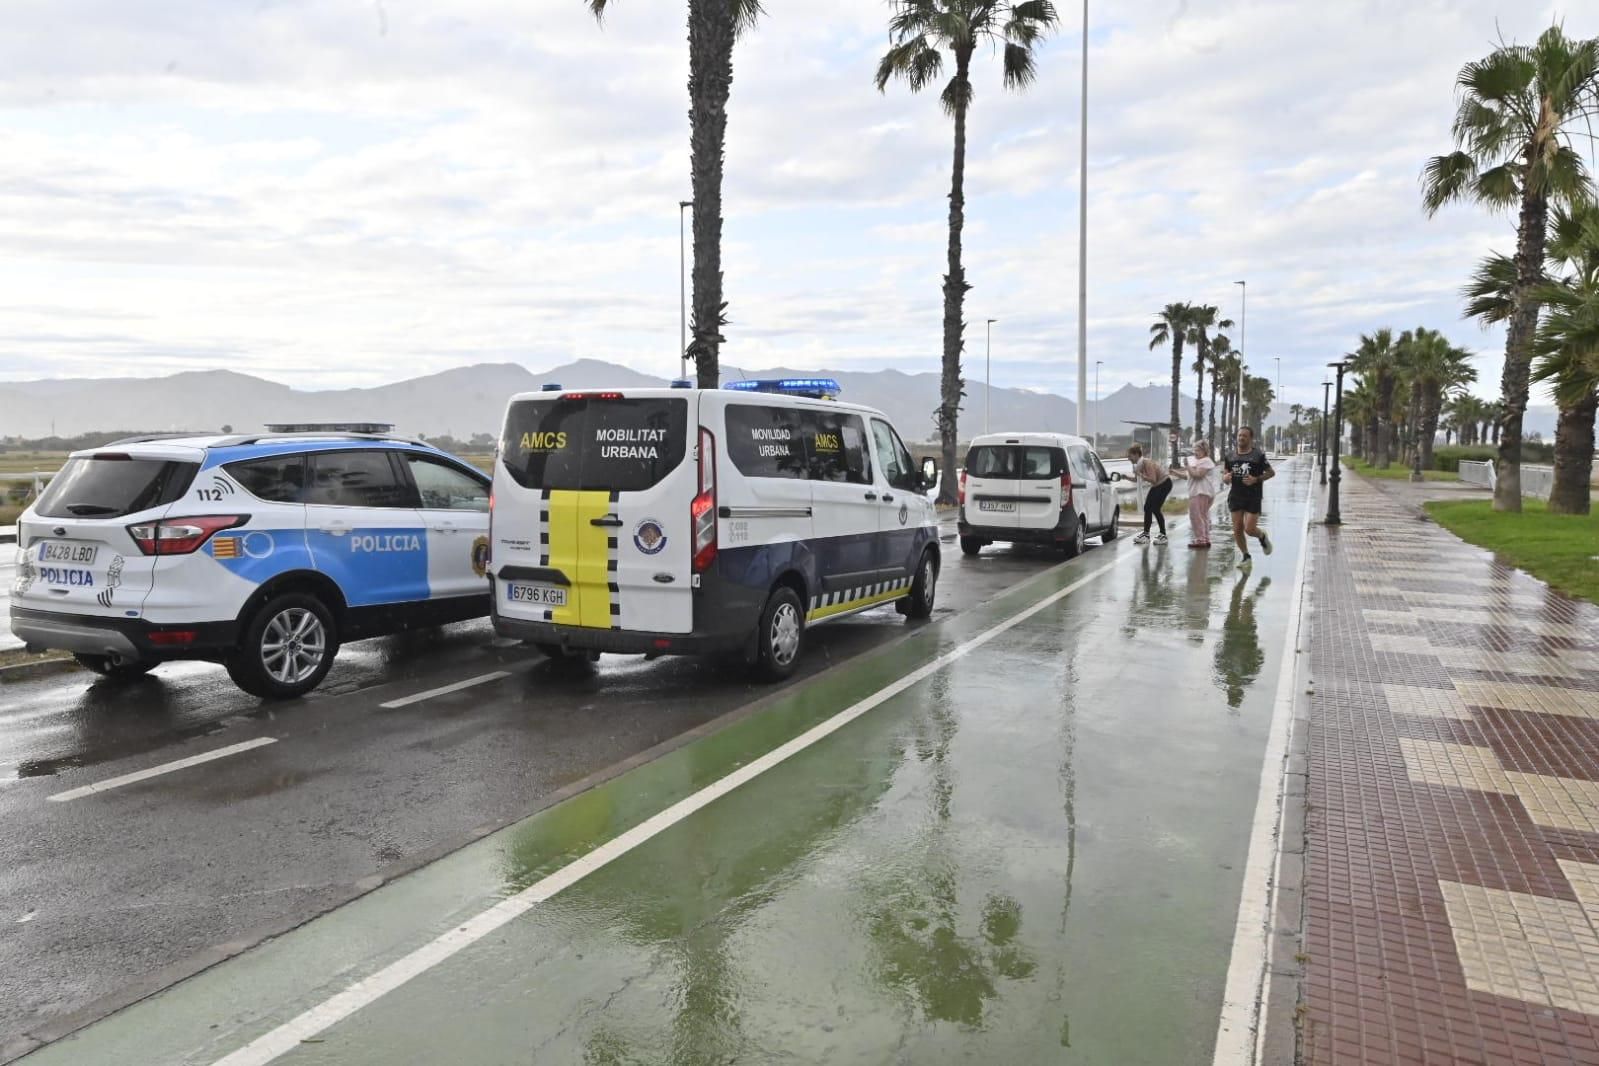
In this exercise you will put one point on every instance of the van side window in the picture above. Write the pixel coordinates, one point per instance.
(276, 479)
(767, 441)
(1082, 473)
(897, 468)
(1099, 467)
(838, 448)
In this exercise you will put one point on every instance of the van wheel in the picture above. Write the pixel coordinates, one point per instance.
(287, 648)
(970, 546)
(114, 669)
(781, 637)
(1115, 527)
(919, 604)
(1079, 542)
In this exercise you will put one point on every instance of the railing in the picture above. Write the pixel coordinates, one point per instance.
(1475, 472)
(1537, 479)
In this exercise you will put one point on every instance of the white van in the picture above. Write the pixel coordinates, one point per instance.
(1035, 488)
(680, 521)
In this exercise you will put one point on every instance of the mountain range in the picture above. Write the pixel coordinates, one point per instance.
(471, 399)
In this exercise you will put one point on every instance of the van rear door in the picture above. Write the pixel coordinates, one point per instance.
(993, 491)
(594, 528)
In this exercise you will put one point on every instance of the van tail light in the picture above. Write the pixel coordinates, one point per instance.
(961, 492)
(180, 536)
(702, 511)
(1065, 490)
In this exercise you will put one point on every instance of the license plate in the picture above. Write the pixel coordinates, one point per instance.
(538, 595)
(59, 551)
(1005, 506)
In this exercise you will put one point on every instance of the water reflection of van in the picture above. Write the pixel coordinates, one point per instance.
(1035, 488)
(682, 521)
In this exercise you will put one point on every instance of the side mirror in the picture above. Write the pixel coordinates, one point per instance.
(1116, 475)
(929, 472)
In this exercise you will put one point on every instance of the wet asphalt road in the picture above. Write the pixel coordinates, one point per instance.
(112, 895)
(8, 576)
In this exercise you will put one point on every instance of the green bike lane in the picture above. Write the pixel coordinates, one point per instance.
(1019, 835)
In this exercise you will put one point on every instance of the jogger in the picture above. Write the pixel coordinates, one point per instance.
(1247, 472)
(1146, 469)
(1204, 479)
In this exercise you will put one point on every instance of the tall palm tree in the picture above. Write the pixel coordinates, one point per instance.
(1258, 395)
(920, 31)
(713, 27)
(1204, 319)
(1221, 353)
(1566, 348)
(1435, 368)
(1520, 109)
(1377, 358)
(1172, 326)
(1360, 411)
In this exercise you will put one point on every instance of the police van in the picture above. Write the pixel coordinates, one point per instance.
(260, 551)
(1035, 488)
(682, 520)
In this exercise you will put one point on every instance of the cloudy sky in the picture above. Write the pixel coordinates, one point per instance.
(343, 192)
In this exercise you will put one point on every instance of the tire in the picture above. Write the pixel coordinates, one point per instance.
(114, 669)
(970, 546)
(1079, 542)
(301, 628)
(781, 637)
(924, 589)
(1115, 527)
(554, 651)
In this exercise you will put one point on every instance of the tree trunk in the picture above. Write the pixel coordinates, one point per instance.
(952, 387)
(711, 32)
(1210, 432)
(1385, 421)
(1574, 458)
(1431, 407)
(1176, 430)
(1523, 323)
(1199, 392)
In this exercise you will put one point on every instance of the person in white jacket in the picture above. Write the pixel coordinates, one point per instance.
(1204, 482)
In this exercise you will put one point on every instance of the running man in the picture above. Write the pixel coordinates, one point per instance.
(1247, 472)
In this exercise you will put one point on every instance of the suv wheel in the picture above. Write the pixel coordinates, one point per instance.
(287, 648)
(924, 588)
(1115, 526)
(781, 636)
(115, 669)
(970, 546)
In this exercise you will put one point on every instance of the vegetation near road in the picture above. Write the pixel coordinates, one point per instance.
(1556, 548)
(1397, 473)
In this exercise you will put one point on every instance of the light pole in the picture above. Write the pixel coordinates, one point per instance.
(1334, 518)
(1082, 242)
(682, 293)
(1321, 442)
(1243, 346)
(1277, 399)
(1097, 364)
(988, 378)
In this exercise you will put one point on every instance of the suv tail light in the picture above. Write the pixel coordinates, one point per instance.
(702, 512)
(1065, 490)
(961, 492)
(180, 536)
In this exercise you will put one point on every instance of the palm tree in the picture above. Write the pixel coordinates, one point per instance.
(713, 27)
(1520, 108)
(1377, 358)
(920, 31)
(1360, 411)
(1258, 395)
(1566, 347)
(1204, 319)
(1435, 368)
(1172, 326)
(1223, 373)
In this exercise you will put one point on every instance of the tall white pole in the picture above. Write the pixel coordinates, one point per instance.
(1097, 364)
(1275, 400)
(682, 294)
(988, 375)
(1082, 244)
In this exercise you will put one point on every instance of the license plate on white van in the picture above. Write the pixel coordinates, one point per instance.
(65, 551)
(1003, 506)
(537, 595)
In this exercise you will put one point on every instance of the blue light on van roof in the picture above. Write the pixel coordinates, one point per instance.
(816, 388)
(682, 383)
(550, 387)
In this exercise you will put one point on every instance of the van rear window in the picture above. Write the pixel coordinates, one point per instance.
(1015, 462)
(622, 445)
(114, 485)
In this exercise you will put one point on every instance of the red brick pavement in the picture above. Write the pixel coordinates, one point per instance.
(1452, 878)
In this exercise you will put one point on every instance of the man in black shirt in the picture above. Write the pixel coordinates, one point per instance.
(1247, 471)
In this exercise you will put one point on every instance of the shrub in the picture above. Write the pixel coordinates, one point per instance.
(1448, 458)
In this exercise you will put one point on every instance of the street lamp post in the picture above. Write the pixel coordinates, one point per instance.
(1277, 399)
(1097, 364)
(1082, 242)
(1333, 517)
(988, 378)
(1243, 347)
(1321, 440)
(682, 293)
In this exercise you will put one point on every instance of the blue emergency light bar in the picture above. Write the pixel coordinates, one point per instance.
(815, 388)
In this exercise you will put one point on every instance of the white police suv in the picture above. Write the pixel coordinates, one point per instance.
(673, 521)
(263, 552)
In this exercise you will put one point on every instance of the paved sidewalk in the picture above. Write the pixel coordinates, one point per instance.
(1452, 888)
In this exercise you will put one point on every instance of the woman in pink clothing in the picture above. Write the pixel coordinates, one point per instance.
(1204, 481)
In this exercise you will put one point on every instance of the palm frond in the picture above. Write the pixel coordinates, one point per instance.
(957, 95)
(1446, 178)
(745, 14)
(597, 8)
(1506, 76)
(1498, 186)
(915, 60)
(1020, 68)
(1562, 175)
(1567, 69)
(1490, 293)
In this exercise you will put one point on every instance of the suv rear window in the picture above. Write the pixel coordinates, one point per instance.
(620, 445)
(1015, 462)
(111, 485)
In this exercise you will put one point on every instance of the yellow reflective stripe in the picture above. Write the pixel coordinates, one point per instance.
(857, 604)
(578, 549)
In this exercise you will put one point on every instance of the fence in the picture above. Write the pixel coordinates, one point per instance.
(1537, 479)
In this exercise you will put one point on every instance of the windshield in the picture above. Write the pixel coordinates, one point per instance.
(618, 445)
(113, 485)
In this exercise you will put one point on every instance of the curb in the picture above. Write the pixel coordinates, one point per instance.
(32, 671)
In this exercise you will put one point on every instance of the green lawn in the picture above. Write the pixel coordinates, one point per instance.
(1560, 549)
(1396, 472)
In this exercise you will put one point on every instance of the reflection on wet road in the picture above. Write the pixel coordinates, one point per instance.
(1029, 854)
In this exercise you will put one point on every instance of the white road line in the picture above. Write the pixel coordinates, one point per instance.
(157, 771)
(1248, 977)
(406, 701)
(290, 1034)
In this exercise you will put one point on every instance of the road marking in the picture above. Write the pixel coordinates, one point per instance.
(157, 771)
(288, 1036)
(406, 701)
(1240, 1030)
